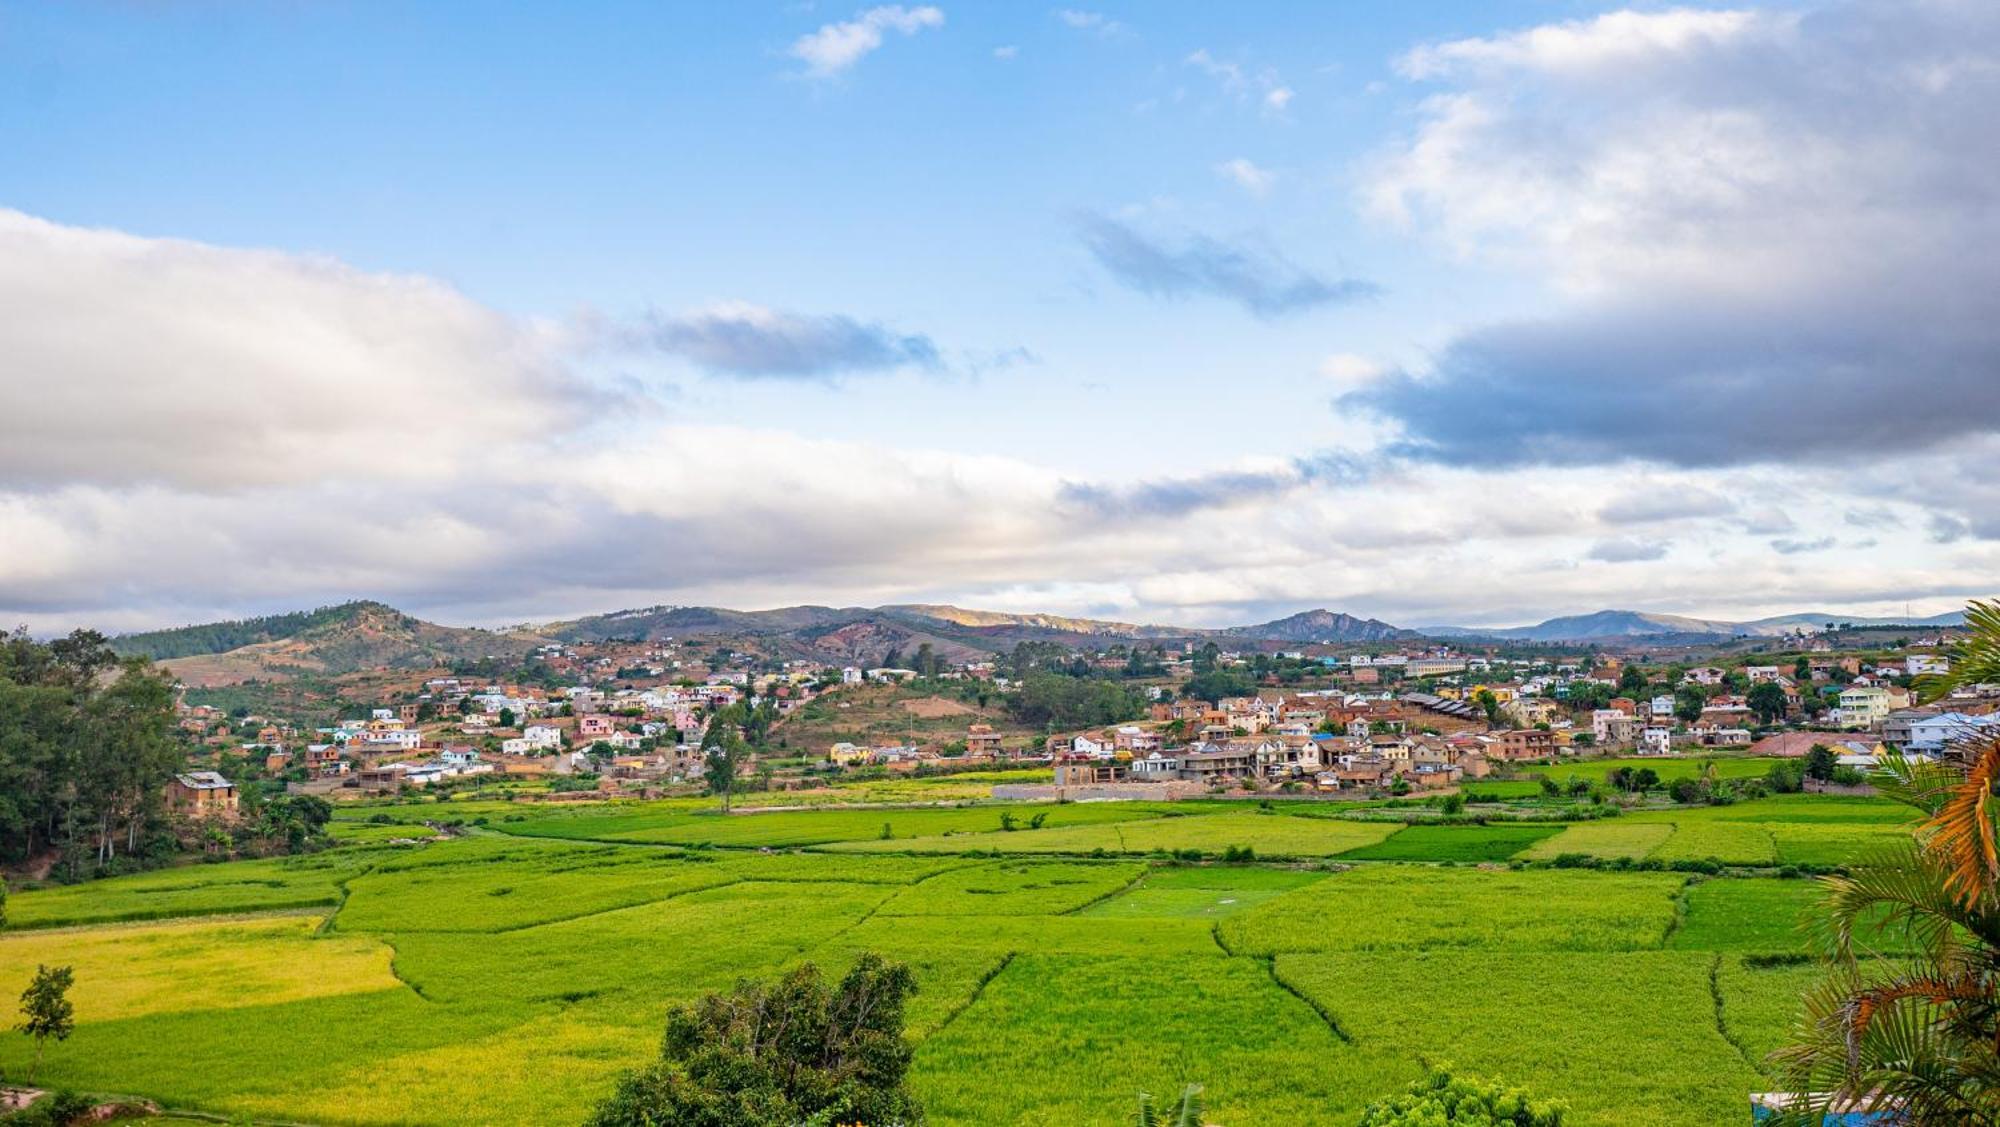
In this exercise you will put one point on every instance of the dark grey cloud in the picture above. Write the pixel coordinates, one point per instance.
(1629, 551)
(1767, 521)
(752, 342)
(1875, 516)
(1262, 281)
(1767, 226)
(1674, 502)
(1696, 383)
(1948, 529)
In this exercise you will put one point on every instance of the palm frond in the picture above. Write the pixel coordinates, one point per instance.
(1975, 660)
(1920, 783)
(1961, 833)
(1190, 1113)
(1895, 891)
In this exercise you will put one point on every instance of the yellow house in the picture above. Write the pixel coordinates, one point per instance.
(847, 754)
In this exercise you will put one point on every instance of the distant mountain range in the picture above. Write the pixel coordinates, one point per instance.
(1635, 624)
(370, 635)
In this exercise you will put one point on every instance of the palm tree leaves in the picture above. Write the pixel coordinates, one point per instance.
(1187, 1111)
(1961, 832)
(1920, 1035)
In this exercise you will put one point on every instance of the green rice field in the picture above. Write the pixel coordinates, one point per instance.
(506, 973)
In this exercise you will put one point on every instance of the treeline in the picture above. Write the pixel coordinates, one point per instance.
(1057, 700)
(87, 747)
(219, 637)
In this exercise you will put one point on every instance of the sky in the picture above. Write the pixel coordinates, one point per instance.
(1467, 313)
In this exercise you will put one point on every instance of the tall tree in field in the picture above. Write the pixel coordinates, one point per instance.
(723, 760)
(1920, 1033)
(46, 1010)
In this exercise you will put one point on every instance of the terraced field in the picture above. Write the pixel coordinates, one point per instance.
(1054, 985)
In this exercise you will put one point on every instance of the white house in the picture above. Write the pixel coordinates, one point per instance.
(546, 737)
(1919, 664)
(1933, 733)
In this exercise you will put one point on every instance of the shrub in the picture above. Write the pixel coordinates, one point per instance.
(799, 1050)
(1443, 1098)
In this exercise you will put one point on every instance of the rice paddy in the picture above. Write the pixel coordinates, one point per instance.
(507, 975)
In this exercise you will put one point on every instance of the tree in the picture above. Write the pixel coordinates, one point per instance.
(85, 756)
(1216, 684)
(46, 1010)
(797, 1051)
(720, 767)
(1820, 762)
(1443, 1098)
(1785, 777)
(506, 718)
(1689, 700)
(1631, 681)
(1489, 704)
(1922, 1032)
(1767, 700)
(1587, 696)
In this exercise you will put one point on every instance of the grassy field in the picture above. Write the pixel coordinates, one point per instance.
(507, 975)
(1495, 842)
(1668, 768)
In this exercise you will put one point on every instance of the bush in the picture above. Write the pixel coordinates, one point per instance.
(799, 1050)
(56, 1110)
(1442, 1098)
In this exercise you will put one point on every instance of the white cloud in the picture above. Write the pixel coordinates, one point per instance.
(1247, 176)
(1242, 84)
(1610, 45)
(131, 359)
(1347, 370)
(1006, 53)
(1082, 20)
(837, 46)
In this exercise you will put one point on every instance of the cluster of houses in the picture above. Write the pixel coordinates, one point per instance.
(1320, 741)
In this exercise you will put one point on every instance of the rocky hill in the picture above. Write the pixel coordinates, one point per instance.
(327, 641)
(1321, 626)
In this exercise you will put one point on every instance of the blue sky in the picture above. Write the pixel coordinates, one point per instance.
(1127, 280)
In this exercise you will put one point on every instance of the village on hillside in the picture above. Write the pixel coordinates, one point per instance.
(1126, 721)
